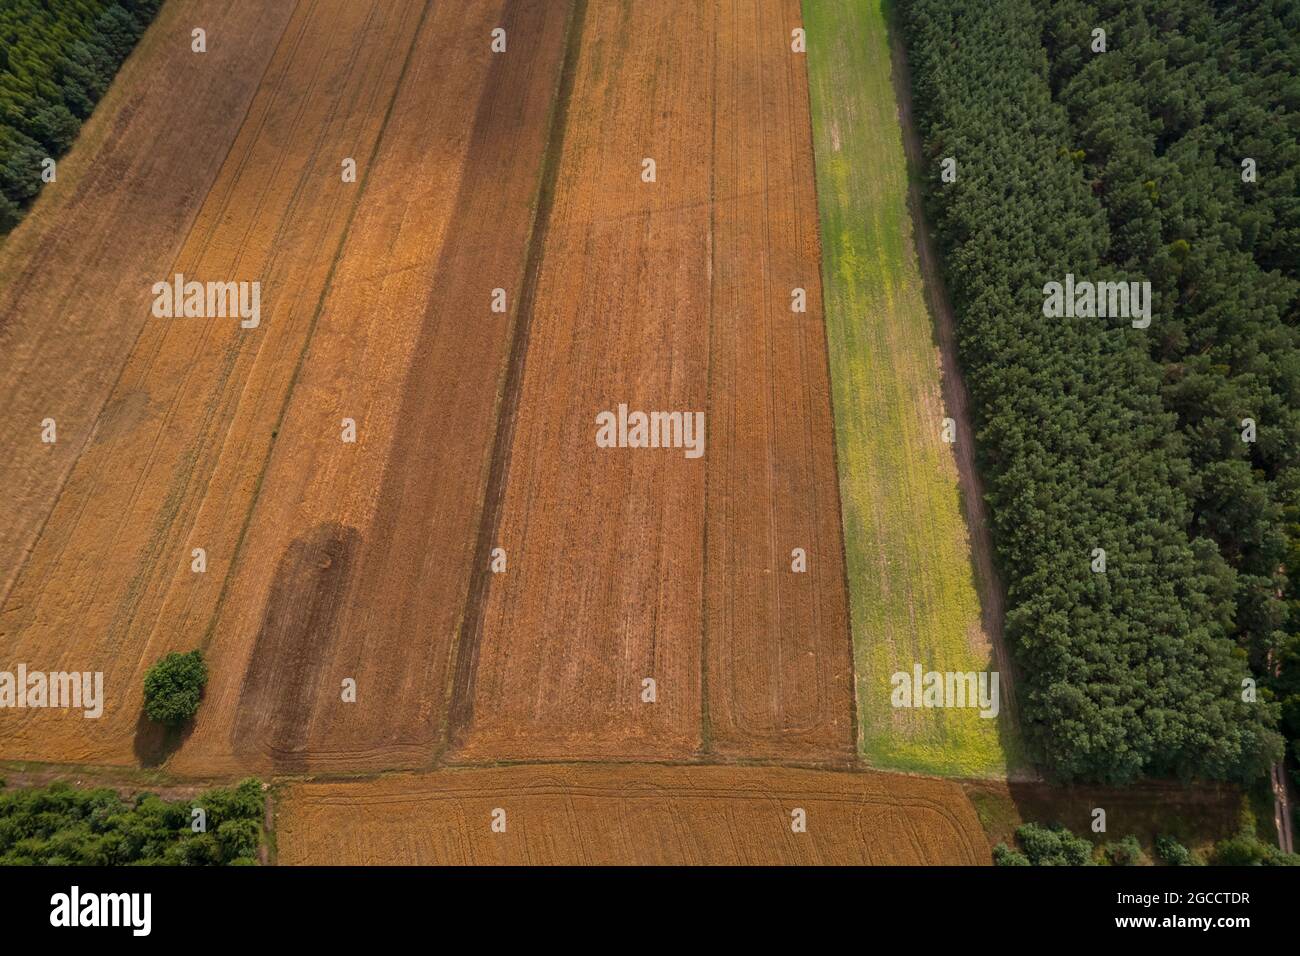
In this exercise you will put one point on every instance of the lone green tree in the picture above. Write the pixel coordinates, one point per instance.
(173, 688)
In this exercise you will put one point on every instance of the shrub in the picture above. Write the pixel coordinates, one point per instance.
(1125, 852)
(1172, 852)
(1241, 850)
(1053, 846)
(1003, 855)
(173, 688)
(1246, 849)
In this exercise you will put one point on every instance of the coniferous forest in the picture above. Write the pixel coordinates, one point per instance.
(1164, 150)
(57, 58)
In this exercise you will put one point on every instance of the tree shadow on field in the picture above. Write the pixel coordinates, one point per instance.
(155, 743)
(1198, 815)
(283, 691)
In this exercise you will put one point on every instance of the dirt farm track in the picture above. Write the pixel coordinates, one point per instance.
(638, 655)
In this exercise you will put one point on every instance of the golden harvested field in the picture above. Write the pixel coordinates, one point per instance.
(179, 448)
(779, 671)
(629, 814)
(358, 556)
(329, 561)
(604, 545)
(74, 280)
(673, 296)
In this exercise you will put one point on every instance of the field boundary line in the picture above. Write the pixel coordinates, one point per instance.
(154, 779)
(706, 727)
(855, 747)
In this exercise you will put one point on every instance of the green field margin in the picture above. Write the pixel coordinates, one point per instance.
(912, 583)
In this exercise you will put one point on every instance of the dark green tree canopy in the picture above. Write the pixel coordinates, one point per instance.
(173, 688)
(57, 58)
(62, 826)
(1126, 165)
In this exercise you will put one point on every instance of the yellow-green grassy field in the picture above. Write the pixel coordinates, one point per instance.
(912, 581)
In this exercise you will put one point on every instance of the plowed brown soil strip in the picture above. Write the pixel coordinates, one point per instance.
(75, 277)
(780, 672)
(180, 445)
(357, 559)
(672, 296)
(629, 814)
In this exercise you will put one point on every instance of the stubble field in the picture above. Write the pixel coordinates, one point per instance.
(358, 557)
(175, 453)
(646, 815)
(625, 565)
